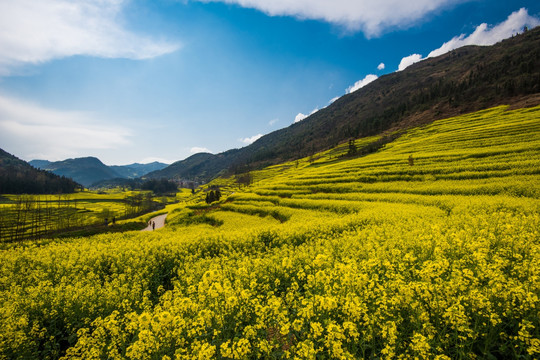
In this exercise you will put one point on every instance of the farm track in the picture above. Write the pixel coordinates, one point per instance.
(158, 220)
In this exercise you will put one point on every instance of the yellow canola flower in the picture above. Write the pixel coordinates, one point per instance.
(346, 258)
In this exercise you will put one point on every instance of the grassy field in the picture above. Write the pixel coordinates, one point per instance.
(329, 257)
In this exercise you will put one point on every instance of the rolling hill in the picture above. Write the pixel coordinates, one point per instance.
(467, 79)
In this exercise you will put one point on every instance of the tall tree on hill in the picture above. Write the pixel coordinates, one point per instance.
(352, 148)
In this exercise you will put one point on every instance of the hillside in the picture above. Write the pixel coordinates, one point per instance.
(427, 248)
(19, 177)
(198, 167)
(464, 80)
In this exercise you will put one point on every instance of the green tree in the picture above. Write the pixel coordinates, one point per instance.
(352, 148)
(244, 179)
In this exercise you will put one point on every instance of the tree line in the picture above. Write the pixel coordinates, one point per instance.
(162, 186)
(34, 217)
(14, 180)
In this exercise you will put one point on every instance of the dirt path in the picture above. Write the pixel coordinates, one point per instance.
(159, 220)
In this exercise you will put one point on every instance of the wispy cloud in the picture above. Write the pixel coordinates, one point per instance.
(273, 122)
(482, 35)
(361, 83)
(371, 17)
(39, 132)
(381, 66)
(35, 31)
(252, 139)
(197, 149)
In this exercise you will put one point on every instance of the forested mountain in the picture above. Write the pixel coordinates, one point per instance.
(464, 80)
(19, 177)
(90, 170)
(85, 171)
(40, 164)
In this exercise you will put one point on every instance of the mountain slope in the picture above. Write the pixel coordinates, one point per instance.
(201, 166)
(464, 80)
(19, 177)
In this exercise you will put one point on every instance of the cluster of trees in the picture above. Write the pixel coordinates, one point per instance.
(14, 180)
(244, 179)
(19, 177)
(372, 147)
(162, 186)
(140, 203)
(213, 195)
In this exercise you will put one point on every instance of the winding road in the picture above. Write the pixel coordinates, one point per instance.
(159, 220)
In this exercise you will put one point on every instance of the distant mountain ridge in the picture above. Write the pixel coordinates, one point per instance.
(136, 170)
(461, 81)
(90, 170)
(19, 177)
(85, 171)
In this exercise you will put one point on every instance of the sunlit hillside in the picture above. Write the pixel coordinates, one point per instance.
(462, 81)
(427, 248)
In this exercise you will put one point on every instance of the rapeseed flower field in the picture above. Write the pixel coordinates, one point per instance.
(328, 257)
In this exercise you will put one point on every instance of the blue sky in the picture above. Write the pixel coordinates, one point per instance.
(137, 81)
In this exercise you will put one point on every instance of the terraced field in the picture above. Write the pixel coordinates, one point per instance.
(428, 248)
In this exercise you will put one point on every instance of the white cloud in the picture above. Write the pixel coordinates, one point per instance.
(361, 83)
(483, 35)
(35, 31)
(273, 122)
(37, 132)
(381, 66)
(333, 99)
(197, 149)
(371, 17)
(299, 117)
(251, 140)
(408, 61)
